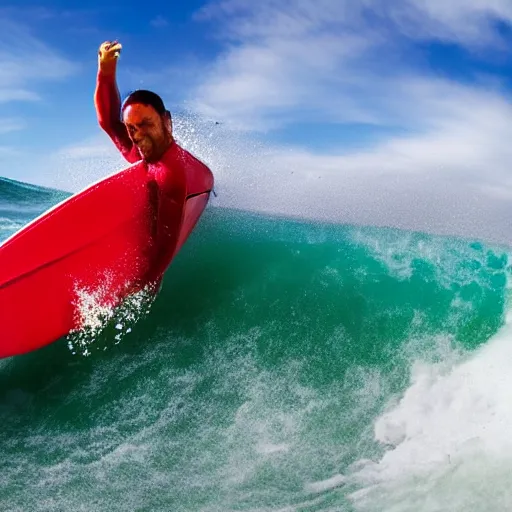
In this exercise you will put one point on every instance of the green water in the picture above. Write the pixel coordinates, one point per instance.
(258, 377)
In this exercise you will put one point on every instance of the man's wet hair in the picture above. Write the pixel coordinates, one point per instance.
(146, 98)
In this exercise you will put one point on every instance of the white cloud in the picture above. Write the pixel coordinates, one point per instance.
(280, 63)
(26, 61)
(334, 61)
(77, 165)
(7, 95)
(453, 178)
(10, 125)
(338, 62)
(469, 23)
(329, 62)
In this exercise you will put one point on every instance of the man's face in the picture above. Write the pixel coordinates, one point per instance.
(148, 130)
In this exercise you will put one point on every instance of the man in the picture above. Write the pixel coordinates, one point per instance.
(141, 128)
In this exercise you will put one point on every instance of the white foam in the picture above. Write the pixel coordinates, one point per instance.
(266, 448)
(448, 438)
(94, 312)
(326, 485)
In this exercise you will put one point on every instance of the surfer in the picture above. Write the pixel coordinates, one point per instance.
(141, 129)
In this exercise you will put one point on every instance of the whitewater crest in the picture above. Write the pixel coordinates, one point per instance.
(97, 316)
(450, 423)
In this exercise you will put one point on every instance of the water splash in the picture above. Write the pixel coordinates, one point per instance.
(451, 422)
(96, 316)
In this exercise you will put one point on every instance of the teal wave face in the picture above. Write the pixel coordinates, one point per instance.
(257, 377)
(21, 202)
(16, 193)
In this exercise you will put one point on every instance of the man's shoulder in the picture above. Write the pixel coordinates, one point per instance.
(187, 157)
(198, 175)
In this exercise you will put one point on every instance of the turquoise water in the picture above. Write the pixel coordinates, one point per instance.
(285, 366)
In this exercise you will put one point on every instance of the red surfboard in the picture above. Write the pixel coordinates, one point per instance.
(98, 242)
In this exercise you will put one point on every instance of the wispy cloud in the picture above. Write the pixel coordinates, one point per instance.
(335, 61)
(280, 62)
(11, 125)
(77, 165)
(25, 62)
(469, 23)
(454, 179)
(338, 62)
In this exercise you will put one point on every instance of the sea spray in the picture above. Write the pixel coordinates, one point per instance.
(96, 317)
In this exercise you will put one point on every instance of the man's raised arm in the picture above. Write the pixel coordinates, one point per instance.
(108, 102)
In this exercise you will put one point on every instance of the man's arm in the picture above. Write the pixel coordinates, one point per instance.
(108, 101)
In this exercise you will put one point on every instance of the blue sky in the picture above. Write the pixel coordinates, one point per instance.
(364, 105)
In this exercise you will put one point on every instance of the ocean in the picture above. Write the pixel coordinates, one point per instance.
(286, 365)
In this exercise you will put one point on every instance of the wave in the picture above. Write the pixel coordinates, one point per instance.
(285, 365)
